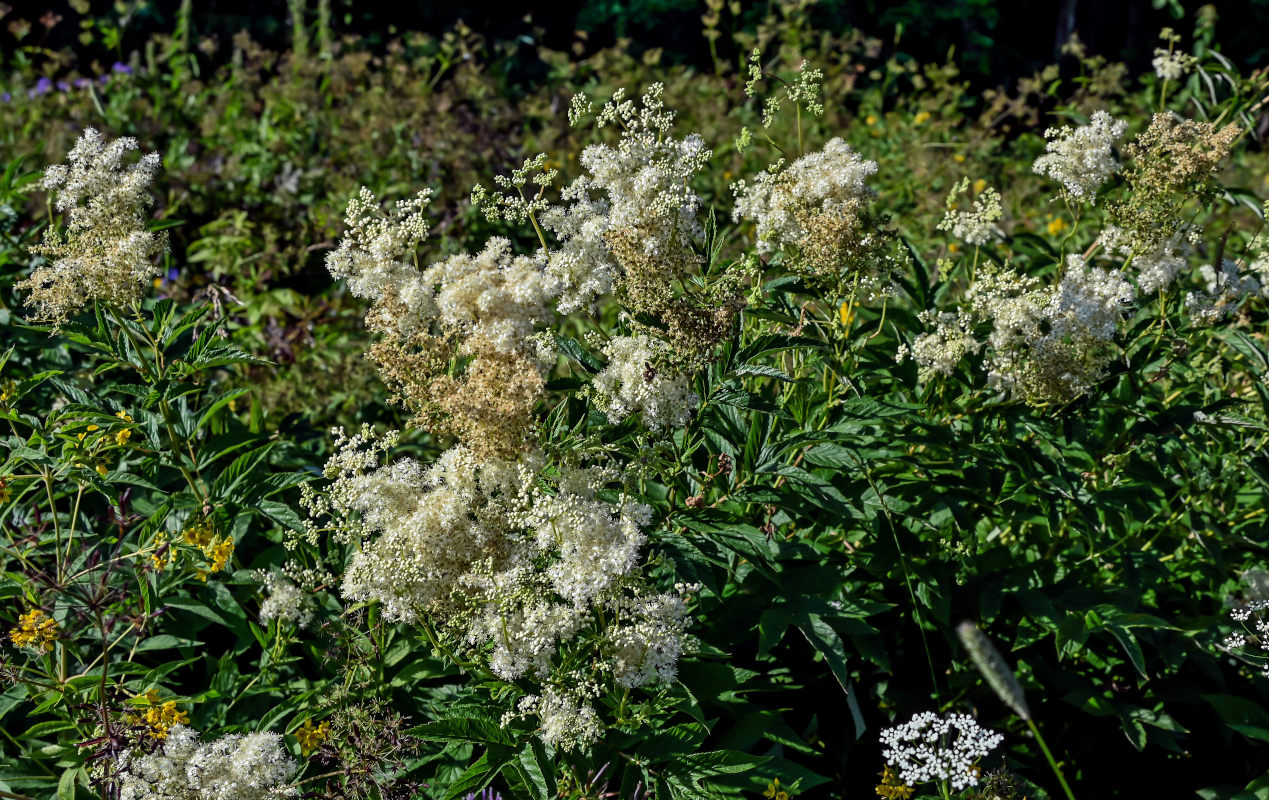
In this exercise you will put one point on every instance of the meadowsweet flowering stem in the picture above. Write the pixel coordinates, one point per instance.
(1048, 754)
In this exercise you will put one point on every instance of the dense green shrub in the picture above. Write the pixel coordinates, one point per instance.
(705, 428)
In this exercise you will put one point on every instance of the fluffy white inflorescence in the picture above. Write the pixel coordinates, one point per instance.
(567, 722)
(977, 226)
(636, 381)
(520, 570)
(595, 543)
(106, 253)
(929, 747)
(1081, 159)
(283, 599)
(643, 188)
(433, 525)
(1051, 343)
(647, 643)
(780, 200)
(253, 766)
(494, 298)
(1158, 264)
(377, 259)
(1225, 290)
(1172, 65)
(939, 351)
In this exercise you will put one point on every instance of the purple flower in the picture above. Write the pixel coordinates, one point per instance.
(122, 68)
(42, 86)
(80, 83)
(5, 97)
(63, 86)
(172, 274)
(103, 79)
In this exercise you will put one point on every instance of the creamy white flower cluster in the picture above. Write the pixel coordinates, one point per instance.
(930, 747)
(1047, 343)
(642, 186)
(949, 340)
(519, 565)
(779, 200)
(977, 226)
(253, 766)
(493, 300)
(283, 599)
(1053, 343)
(106, 253)
(1256, 636)
(1157, 264)
(377, 257)
(1082, 159)
(638, 381)
(1225, 289)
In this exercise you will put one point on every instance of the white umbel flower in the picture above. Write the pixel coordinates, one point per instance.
(1081, 159)
(930, 747)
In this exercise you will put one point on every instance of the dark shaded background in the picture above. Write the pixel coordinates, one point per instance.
(994, 40)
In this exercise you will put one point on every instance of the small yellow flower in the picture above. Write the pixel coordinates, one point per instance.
(311, 736)
(7, 390)
(220, 552)
(871, 119)
(847, 313)
(979, 185)
(160, 716)
(774, 792)
(158, 282)
(122, 437)
(891, 787)
(1056, 226)
(199, 533)
(959, 158)
(101, 469)
(953, 247)
(200, 574)
(921, 117)
(87, 431)
(162, 555)
(34, 632)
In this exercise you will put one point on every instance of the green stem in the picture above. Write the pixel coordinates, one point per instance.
(1066, 787)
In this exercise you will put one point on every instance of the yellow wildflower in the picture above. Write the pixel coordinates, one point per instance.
(1056, 225)
(311, 736)
(891, 788)
(34, 632)
(162, 555)
(199, 533)
(871, 119)
(121, 437)
(7, 390)
(847, 313)
(921, 116)
(954, 247)
(774, 792)
(201, 574)
(959, 158)
(979, 185)
(101, 469)
(219, 551)
(159, 717)
(87, 431)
